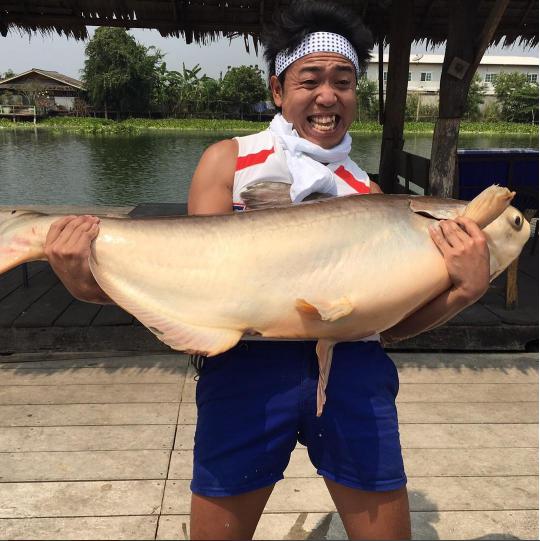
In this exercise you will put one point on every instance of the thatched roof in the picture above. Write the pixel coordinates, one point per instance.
(204, 20)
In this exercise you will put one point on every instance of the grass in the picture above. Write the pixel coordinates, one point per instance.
(134, 125)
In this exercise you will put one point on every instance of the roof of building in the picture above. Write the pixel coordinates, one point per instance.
(203, 20)
(491, 60)
(53, 75)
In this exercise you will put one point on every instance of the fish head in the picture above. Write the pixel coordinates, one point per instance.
(22, 236)
(506, 236)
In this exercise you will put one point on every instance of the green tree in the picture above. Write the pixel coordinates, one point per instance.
(517, 97)
(242, 87)
(475, 98)
(119, 73)
(184, 92)
(9, 73)
(368, 100)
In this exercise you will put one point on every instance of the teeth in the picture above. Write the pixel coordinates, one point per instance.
(323, 123)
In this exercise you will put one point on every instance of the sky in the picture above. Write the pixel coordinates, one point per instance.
(57, 53)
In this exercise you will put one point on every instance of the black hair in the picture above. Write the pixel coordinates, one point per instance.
(303, 17)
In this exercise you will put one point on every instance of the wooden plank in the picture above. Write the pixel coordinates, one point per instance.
(477, 392)
(468, 436)
(13, 279)
(110, 338)
(83, 466)
(94, 375)
(512, 286)
(143, 361)
(78, 314)
(22, 298)
(112, 315)
(425, 525)
(472, 338)
(447, 413)
(419, 461)
(48, 308)
(477, 314)
(425, 494)
(470, 412)
(90, 394)
(80, 498)
(470, 462)
(76, 528)
(163, 413)
(86, 438)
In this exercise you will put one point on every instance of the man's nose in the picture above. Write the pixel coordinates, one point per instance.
(326, 95)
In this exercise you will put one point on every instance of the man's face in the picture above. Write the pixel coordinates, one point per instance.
(318, 97)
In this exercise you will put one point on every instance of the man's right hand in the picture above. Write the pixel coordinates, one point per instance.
(67, 248)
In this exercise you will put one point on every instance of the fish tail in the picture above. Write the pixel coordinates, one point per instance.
(22, 237)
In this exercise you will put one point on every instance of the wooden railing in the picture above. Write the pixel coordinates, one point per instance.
(412, 174)
(14, 111)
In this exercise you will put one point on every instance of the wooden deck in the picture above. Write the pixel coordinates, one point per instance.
(45, 317)
(100, 447)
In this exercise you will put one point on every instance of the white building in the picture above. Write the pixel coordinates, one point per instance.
(425, 72)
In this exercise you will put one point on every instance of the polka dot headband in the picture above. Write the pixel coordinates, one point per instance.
(318, 42)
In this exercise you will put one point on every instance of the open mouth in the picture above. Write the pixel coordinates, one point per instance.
(324, 123)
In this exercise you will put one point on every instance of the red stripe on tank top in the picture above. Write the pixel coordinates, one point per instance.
(348, 177)
(253, 159)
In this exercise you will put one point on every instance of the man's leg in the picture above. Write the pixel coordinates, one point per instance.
(372, 515)
(227, 517)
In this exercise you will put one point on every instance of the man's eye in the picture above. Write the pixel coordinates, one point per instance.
(310, 82)
(344, 82)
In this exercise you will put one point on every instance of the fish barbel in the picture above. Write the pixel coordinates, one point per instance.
(332, 270)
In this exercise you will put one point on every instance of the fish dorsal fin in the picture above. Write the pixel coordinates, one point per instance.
(489, 205)
(170, 329)
(438, 209)
(325, 310)
(271, 194)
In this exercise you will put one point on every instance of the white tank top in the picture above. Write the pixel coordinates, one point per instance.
(261, 158)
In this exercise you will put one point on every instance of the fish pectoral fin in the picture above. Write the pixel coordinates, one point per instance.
(324, 310)
(325, 351)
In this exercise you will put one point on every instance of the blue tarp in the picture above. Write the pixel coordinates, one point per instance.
(516, 168)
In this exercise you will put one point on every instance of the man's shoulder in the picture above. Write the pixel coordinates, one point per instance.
(263, 137)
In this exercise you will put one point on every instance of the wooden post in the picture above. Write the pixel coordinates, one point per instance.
(464, 50)
(400, 37)
(381, 80)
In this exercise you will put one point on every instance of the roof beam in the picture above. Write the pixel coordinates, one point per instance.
(526, 12)
(492, 22)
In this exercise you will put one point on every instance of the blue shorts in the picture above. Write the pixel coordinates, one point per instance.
(258, 399)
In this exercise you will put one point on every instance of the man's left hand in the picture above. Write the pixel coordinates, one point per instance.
(466, 254)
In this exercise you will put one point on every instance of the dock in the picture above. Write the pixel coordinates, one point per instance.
(99, 446)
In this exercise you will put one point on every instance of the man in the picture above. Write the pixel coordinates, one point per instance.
(257, 400)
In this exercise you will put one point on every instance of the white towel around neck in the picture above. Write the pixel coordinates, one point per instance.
(305, 160)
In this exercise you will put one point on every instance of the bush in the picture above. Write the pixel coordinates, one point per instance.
(491, 113)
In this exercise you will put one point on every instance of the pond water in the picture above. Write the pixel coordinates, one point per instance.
(43, 167)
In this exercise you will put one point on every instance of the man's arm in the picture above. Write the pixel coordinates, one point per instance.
(212, 184)
(466, 256)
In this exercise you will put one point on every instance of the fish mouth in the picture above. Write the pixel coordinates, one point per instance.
(324, 123)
